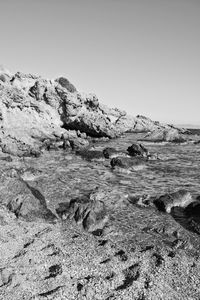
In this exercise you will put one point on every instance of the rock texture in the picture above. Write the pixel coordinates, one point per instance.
(165, 135)
(33, 109)
(180, 198)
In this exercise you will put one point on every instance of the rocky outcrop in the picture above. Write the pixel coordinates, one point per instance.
(165, 135)
(180, 198)
(25, 201)
(33, 109)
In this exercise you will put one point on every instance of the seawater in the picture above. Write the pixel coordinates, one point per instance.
(64, 174)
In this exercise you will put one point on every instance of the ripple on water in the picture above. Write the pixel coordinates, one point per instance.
(179, 168)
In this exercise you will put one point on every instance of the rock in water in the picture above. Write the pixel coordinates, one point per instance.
(128, 163)
(165, 135)
(137, 150)
(180, 198)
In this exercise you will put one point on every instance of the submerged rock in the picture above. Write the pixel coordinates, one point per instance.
(128, 163)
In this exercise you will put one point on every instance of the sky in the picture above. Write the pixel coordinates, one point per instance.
(142, 56)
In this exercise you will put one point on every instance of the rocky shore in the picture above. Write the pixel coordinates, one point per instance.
(67, 237)
(37, 113)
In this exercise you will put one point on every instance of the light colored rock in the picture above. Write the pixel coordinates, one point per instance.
(32, 109)
(165, 135)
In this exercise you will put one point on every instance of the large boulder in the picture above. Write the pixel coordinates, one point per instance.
(25, 201)
(180, 198)
(165, 135)
(137, 150)
(87, 211)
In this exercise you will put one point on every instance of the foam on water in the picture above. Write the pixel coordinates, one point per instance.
(178, 168)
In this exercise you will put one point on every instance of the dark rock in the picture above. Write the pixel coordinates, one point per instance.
(64, 82)
(122, 255)
(50, 291)
(127, 163)
(6, 158)
(197, 142)
(79, 287)
(53, 144)
(54, 271)
(137, 150)
(90, 213)
(78, 143)
(131, 274)
(180, 198)
(25, 201)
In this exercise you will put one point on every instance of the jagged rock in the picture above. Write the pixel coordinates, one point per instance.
(64, 82)
(33, 109)
(165, 135)
(78, 143)
(25, 201)
(180, 198)
(87, 211)
(138, 150)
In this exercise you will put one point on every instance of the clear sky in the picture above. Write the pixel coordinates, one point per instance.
(139, 55)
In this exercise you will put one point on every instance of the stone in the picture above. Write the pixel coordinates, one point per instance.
(78, 143)
(25, 201)
(32, 109)
(128, 163)
(180, 198)
(165, 135)
(89, 213)
(137, 150)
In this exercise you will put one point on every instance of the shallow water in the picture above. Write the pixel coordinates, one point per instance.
(69, 175)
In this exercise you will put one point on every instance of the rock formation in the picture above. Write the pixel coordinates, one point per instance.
(165, 135)
(33, 109)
